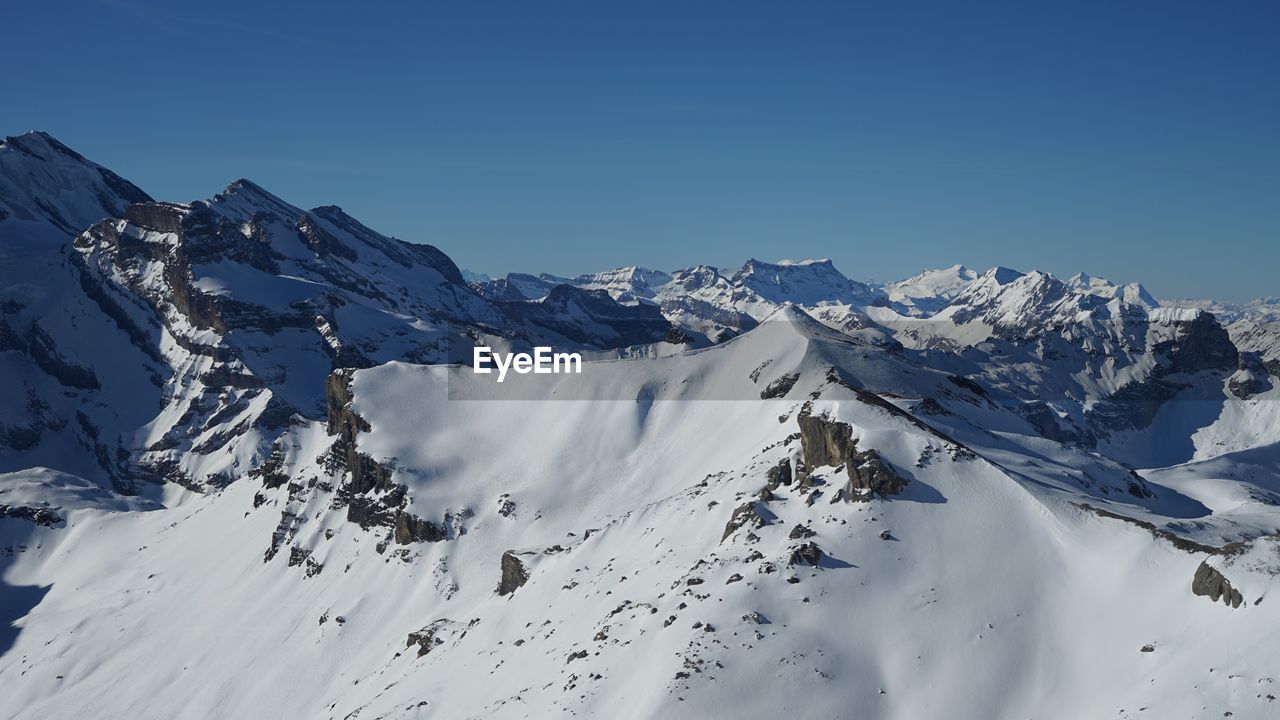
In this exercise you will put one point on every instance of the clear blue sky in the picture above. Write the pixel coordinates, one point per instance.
(1133, 140)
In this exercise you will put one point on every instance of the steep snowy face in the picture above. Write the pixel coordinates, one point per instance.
(43, 183)
(73, 377)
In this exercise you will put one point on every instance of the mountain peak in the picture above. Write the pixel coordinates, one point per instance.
(1132, 293)
(41, 144)
(819, 261)
(244, 185)
(243, 197)
(45, 183)
(1003, 275)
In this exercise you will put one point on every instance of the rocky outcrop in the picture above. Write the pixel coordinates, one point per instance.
(779, 474)
(429, 637)
(870, 476)
(801, 532)
(1211, 583)
(47, 517)
(411, 529)
(514, 573)
(365, 473)
(372, 499)
(824, 441)
(1199, 344)
(1047, 422)
(321, 241)
(808, 554)
(1252, 378)
(779, 387)
(748, 515)
(157, 216)
(828, 442)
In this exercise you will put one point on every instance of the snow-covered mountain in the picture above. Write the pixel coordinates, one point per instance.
(240, 478)
(929, 291)
(172, 342)
(707, 301)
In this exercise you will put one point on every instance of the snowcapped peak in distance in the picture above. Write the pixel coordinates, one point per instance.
(1132, 293)
(819, 261)
(1002, 275)
(931, 290)
(808, 282)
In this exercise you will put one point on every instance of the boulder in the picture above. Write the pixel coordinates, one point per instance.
(1211, 583)
(514, 573)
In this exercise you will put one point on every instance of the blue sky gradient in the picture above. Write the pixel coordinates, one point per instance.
(1135, 140)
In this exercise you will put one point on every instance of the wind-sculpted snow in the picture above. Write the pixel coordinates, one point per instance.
(246, 470)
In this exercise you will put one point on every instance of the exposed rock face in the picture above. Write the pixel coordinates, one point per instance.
(808, 554)
(779, 474)
(869, 475)
(1215, 586)
(1046, 422)
(1196, 345)
(42, 349)
(366, 473)
(1200, 344)
(780, 387)
(411, 528)
(48, 517)
(372, 499)
(1253, 377)
(746, 515)
(824, 441)
(801, 532)
(429, 637)
(321, 241)
(514, 573)
(158, 216)
(829, 442)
